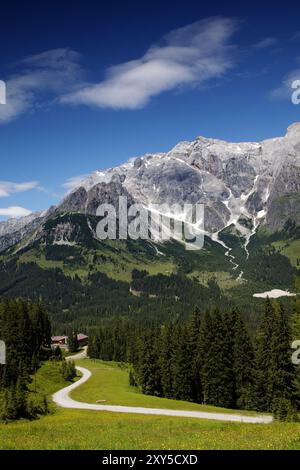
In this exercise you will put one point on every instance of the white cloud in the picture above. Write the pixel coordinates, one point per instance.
(296, 36)
(74, 182)
(14, 211)
(265, 43)
(8, 187)
(284, 91)
(51, 72)
(189, 55)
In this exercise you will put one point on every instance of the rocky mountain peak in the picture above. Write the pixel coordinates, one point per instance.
(241, 184)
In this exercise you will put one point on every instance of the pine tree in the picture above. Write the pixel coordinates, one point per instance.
(229, 327)
(25, 328)
(148, 371)
(10, 408)
(296, 387)
(281, 368)
(205, 341)
(58, 353)
(68, 370)
(181, 366)
(166, 343)
(243, 365)
(217, 370)
(194, 327)
(93, 351)
(20, 399)
(71, 370)
(262, 399)
(73, 342)
(295, 319)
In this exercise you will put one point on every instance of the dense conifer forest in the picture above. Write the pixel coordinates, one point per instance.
(25, 328)
(181, 339)
(75, 303)
(211, 358)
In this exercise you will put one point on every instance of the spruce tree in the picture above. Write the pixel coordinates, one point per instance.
(296, 387)
(194, 327)
(147, 369)
(181, 366)
(73, 342)
(243, 365)
(166, 345)
(204, 348)
(229, 325)
(92, 351)
(281, 367)
(295, 319)
(217, 370)
(262, 398)
(25, 328)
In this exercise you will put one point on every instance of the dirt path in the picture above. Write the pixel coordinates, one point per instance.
(62, 398)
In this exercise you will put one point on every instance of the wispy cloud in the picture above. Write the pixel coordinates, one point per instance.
(14, 212)
(265, 43)
(193, 54)
(7, 188)
(39, 77)
(74, 182)
(284, 91)
(189, 56)
(296, 36)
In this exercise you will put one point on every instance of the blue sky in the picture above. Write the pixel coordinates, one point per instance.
(90, 86)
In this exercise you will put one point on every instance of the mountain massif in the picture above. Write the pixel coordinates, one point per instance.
(251, 197)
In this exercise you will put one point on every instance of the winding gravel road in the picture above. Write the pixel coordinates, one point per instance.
(62, 398)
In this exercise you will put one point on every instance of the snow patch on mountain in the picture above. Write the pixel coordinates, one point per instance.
(241, 186)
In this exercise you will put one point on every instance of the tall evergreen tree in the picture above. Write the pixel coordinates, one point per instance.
(166, 345)
(281, 368)
(73, 342)
(25, 329)
(217, 370)
(181, 365)
(262, 375)
(205, 341)
(148, 365)
(243, 365)
(194, 327)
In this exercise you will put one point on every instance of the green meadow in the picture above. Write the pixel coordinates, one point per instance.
(83, 429)
(110, 383)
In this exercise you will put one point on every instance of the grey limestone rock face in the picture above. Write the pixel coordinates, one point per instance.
(254, 181)
(14, 230)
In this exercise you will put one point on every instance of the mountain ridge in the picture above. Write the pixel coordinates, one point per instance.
(243, 186)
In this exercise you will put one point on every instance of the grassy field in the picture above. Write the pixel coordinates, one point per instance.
(118, 265)
(290, 249)
(110, 382)
(81, 429)
(76, 429)
(224, 279)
